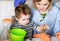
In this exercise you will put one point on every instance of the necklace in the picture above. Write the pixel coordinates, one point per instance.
(43, 16)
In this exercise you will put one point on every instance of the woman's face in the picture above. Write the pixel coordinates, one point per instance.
(42, 5)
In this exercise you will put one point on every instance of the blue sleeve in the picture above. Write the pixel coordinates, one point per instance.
(17, 2)
(57, 23)
(57, 4)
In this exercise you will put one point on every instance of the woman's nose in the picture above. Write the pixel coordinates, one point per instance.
(41, 7)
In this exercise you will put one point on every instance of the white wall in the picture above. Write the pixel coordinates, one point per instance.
(6, 11)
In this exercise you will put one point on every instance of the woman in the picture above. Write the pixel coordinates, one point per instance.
(45, 13)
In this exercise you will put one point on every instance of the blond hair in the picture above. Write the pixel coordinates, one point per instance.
(34, 3)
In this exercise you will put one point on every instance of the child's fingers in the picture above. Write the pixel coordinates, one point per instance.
(46, 26)
(39, 28)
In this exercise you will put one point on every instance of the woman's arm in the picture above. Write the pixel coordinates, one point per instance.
(57, 23)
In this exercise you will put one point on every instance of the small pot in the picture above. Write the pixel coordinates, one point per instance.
(42, 36)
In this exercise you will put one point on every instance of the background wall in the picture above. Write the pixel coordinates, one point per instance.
(6, 11)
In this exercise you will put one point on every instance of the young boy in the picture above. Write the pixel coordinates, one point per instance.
(22, 15)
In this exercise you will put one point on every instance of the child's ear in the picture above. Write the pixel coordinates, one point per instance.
(16, 18)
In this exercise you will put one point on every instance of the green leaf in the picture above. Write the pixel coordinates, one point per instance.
(43, 15)
(41, 20)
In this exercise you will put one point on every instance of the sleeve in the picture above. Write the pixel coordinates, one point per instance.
(32, 14)
(57, 23)
(17, 2)
(13, 25)
(35, 31)
(57, 4)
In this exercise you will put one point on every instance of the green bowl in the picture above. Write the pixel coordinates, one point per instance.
(17, 34)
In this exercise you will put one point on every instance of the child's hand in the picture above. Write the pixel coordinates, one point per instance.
(42, 28)
(39, 28)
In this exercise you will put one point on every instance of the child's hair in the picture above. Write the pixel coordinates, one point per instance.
(22, 9)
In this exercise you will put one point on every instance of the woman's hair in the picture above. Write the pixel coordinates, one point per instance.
(22, 9)
(34, 3)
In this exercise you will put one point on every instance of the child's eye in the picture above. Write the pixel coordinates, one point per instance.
(23, 19)
(27, 19)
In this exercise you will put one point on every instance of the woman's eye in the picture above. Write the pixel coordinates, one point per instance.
(45, 4)
(38, 3)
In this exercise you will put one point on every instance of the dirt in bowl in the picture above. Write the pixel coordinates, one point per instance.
(42, 36)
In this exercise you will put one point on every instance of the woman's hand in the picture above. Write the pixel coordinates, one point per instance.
(58, 35)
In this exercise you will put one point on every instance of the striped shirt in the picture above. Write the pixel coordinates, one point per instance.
(29, 28)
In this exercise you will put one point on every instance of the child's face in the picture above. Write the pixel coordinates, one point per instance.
(24, 19)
